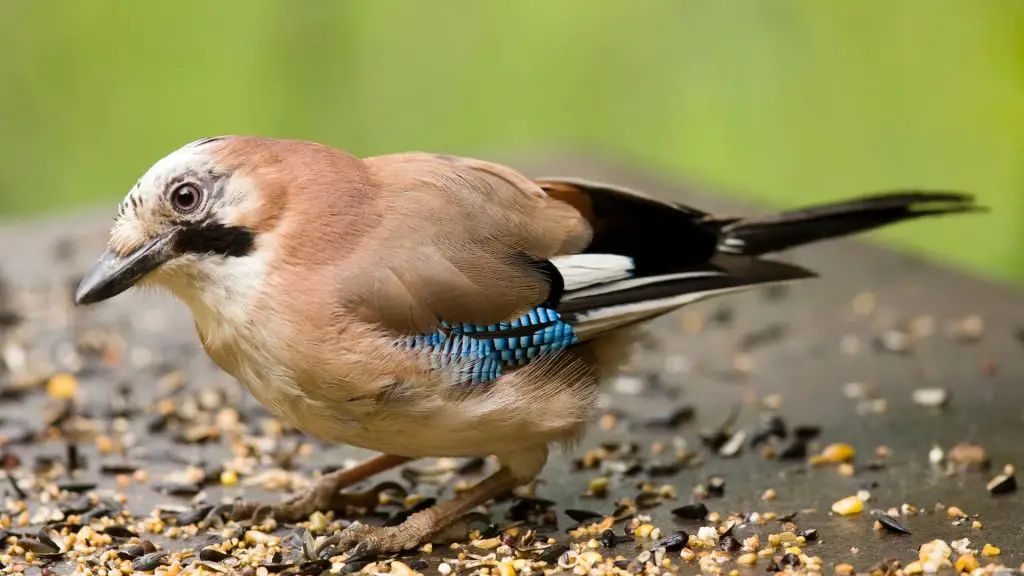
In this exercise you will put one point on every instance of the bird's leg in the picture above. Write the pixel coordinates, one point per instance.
(325, 493)
(422, 525)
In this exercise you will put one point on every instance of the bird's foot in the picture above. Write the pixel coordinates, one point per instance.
(361, 540)
(324, 495)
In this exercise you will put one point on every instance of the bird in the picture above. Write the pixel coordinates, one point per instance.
(428, 305)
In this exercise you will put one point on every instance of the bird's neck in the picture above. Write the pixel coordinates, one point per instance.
(221, 296)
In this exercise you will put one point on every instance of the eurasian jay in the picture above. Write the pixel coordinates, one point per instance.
(423, 305)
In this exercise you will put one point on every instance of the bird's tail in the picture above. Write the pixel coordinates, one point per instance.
(764, 235)
(649, 257)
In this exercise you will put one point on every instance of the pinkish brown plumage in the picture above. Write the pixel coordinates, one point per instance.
(427, 305)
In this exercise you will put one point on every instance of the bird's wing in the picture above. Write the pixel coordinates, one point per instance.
(460, 241)
(481, 267)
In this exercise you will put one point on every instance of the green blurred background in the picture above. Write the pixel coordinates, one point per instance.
(779, 101)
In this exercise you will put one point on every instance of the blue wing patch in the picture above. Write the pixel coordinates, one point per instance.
(483, 353)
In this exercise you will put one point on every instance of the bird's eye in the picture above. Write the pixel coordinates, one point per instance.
(186, 198)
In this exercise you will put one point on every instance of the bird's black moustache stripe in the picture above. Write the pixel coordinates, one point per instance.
(215, 238)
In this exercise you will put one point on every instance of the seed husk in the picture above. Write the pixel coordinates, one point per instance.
(149, 562)
(931, 397)
(734, 445)
(38, 546)
(1004, 483)
(716, 486)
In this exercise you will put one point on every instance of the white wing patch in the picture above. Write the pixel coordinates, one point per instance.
(602, 320)
(582, 270)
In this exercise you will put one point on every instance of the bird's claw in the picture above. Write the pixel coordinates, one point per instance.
(298, 508)
(362, 540)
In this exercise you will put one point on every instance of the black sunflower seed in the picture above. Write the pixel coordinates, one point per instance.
(149, 562)
(771, 427)
(661, 469)
(891, 524)
(795, 450)
(131, 553)
(716, 486)
(79, 505)
(553, 553)
(608, 538)
(38, 547)
(671, 418)
(118, 531)
(96, 513)
(76, 487)
(277, 567)
(1002, 484)
(695, 511)
(646, 500)
(810, 535)
(193, 516)
(111, 468)
(807, 431)
(178, 488)
(213, 555)
(729, 544)
(354, 564)
(582, 515)
(492, 530)
(674, 542)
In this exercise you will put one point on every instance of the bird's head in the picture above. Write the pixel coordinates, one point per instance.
(190, 219)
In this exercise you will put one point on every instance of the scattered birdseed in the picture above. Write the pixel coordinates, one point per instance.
(732, 448)
(864, 304)
(1004, 483)
(848, 506)
(836, 454)
(891, 524)
(990, 550)
(62, 387)
(931, 397)
(967, 562)
(695, 511)
(967, 329)
(968, 456)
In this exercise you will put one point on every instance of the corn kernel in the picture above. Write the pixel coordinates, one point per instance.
(848, 506)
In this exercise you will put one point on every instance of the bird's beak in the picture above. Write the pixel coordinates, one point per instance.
(114, 274)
